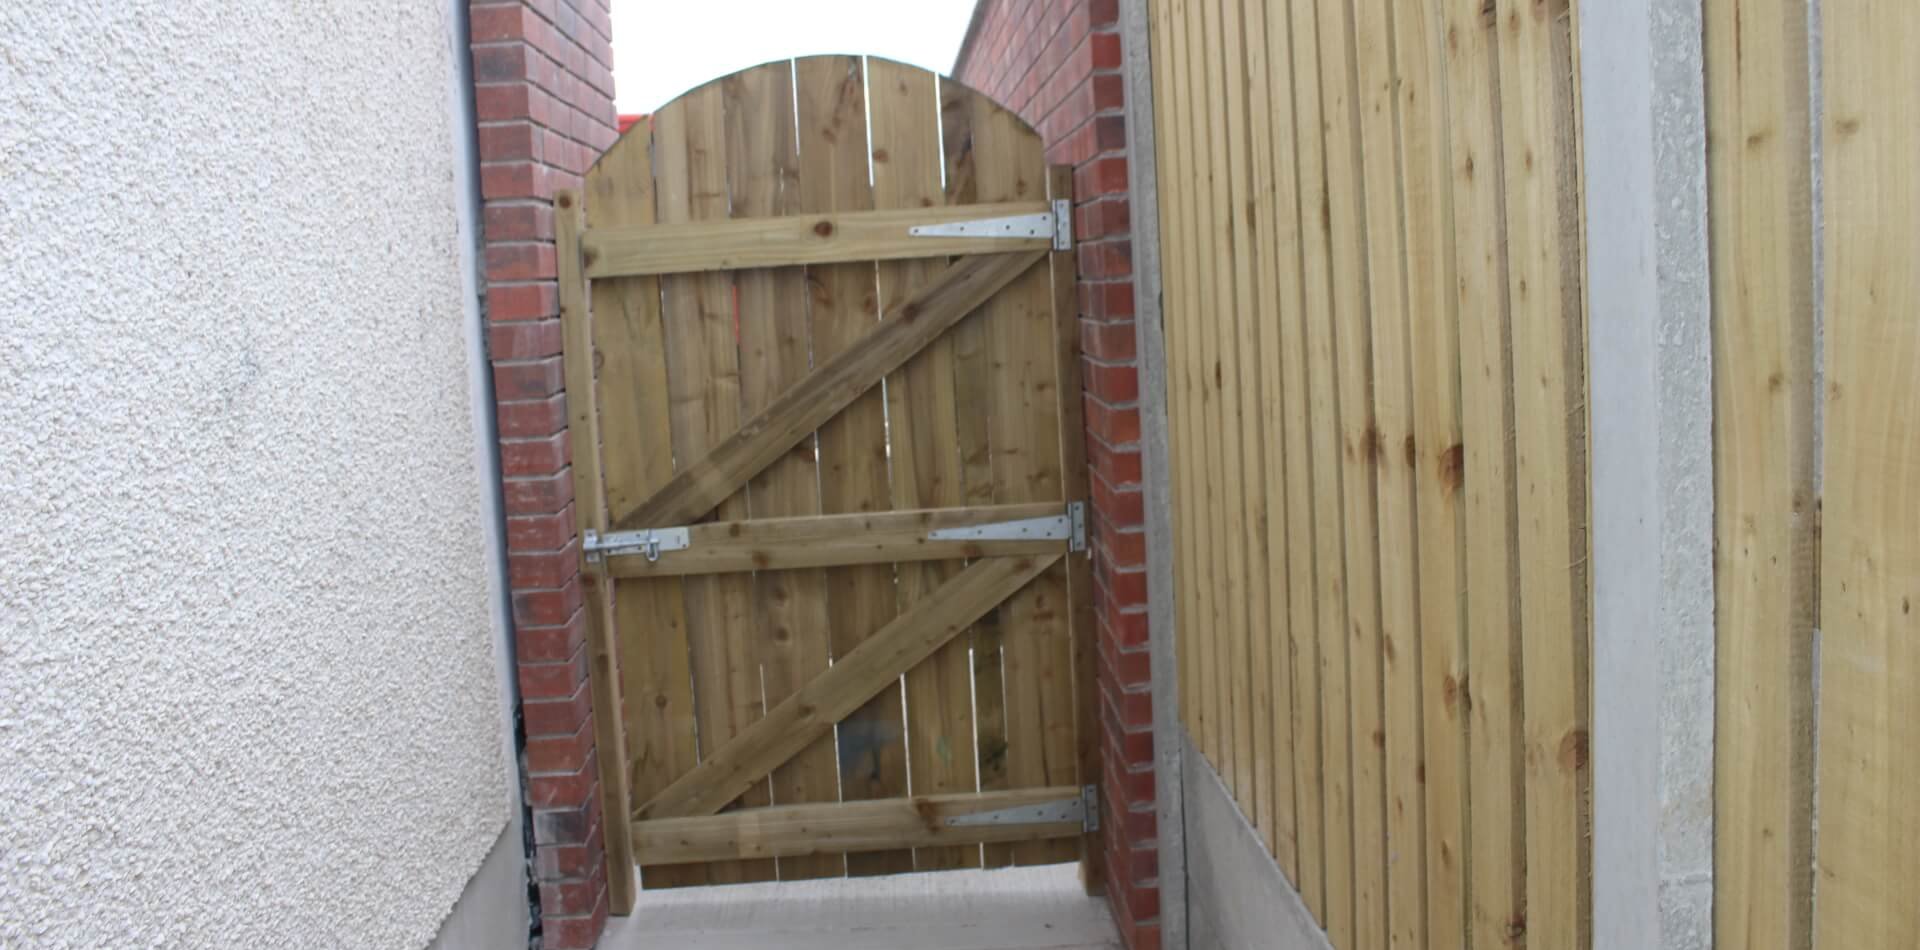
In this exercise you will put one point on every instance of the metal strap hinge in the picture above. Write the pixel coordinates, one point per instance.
(1090, 808)
(1069, 526)
(1056, 225)
(1045, 813)
(646, 541)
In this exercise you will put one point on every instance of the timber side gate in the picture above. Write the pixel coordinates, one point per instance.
(824, 394)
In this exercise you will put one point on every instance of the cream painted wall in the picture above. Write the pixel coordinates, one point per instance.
(248, 660)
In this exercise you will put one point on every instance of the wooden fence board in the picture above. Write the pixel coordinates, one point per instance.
(1273, 637)
(923, 412)
(1359, 452)
(1025, 435)
(1760, 198)
(1868, 850)
(973, 386)
(834, 176)
(789, 608)
(703, 382)
(1252, 719)
(1434, 337)
(1549, 332)
(583, 423)
(649, 615)
(1394, 456)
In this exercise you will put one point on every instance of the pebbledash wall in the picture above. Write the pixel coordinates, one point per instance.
(543, 91)
(1058, 64)
(252, 624)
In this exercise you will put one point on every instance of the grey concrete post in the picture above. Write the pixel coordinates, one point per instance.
(1651, 406)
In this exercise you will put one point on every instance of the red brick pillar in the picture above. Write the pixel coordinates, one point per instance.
(543, 90)
(1057, 63)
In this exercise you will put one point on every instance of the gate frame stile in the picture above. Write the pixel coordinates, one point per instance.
(590, 512)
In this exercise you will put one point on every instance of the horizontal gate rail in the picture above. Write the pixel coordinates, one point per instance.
(907, 329)
(838, 237)
(814, 709)
(778, 544)
(1034, 814)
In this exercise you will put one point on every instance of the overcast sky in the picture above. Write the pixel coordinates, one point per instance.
(662, 48)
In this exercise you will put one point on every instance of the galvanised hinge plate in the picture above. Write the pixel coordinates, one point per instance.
(1013, 226)
(1045, 813)
(1090, 808)
(1055, 225)
(1070, 526)
(647, 541)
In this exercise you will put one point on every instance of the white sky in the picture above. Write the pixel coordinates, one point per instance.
(662, 48)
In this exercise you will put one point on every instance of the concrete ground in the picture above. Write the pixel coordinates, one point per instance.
(1015, 909)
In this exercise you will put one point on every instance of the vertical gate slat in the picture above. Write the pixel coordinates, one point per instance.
(922, 419)
(789, 607)
(649, 614)
(972, 391)
(704, 387)
(853, 447)
(1037, 653)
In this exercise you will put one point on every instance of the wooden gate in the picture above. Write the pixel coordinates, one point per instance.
(824, 388)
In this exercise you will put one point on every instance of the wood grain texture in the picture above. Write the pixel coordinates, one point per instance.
(1336, 906)
(1024, 431)
(832, 386)
(649, 615)
(1394, 456)
(1273, 636)
(1549, 372)
(1868, 857)
(890, 824)
(1289, 241)
(792, 544)
(959, 111)
(1434, 338)
(790, 613)
(1490, 695)
(827, 237)
(1760, 192)
(922, 411)
(844, 308)
(603, 665)
(811, 712)
(703, 384)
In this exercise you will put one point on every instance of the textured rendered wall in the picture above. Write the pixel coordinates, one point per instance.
(247, 686)
(1058, 64)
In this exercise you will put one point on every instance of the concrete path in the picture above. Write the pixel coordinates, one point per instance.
(1015, 909)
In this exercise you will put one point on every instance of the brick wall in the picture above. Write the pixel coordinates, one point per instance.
(1058, 64)
(543, 90)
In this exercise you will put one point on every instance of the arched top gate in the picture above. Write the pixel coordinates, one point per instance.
(824, 386)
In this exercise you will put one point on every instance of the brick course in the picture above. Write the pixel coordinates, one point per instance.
(543, 91)
(1057, 63)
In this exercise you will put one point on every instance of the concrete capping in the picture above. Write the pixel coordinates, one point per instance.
(1143, 201)
(1240, 897)
(1651, 404)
